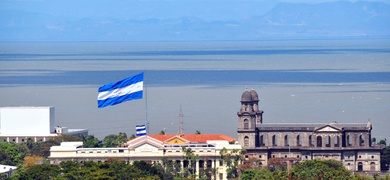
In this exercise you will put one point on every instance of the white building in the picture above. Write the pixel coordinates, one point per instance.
(17, 124)
(151, 149)
(6, 171)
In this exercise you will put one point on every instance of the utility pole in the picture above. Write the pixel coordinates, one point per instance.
(181, 121)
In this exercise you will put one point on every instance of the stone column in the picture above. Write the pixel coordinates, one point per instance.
(182, 166)
(331, 141)
(197, 168)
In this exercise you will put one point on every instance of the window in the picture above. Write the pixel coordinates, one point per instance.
(221, 176)
(372, 166)
(336, 141)
(361, 140)
(220, 163)
(299, 141)
(246, 141)
(274, 140)
(360, 166)
(246, 124)
(319, 141)
(286, 140)
(349, 140)
(372, 157)
(262, 140)
(121, 151)
(327, 141)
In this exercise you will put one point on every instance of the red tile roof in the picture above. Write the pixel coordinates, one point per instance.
(194, 138)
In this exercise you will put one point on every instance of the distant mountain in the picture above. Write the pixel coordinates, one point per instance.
(284, 20)
(332, 19)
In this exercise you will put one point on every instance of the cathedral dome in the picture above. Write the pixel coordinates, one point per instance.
(254, 95)
(246, 96)
(249, 96)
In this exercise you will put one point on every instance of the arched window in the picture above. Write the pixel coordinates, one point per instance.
(319, 141)
(262, 140)
(246, 124)
(299, 141)
(360, 167)
(336, 141)
(361, 140)
(286, 140)
(372, 166)
(274, 140)
(349, 141)
(327, 141)
(246, 141)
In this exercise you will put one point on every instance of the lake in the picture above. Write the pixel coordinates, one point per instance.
(298, 81)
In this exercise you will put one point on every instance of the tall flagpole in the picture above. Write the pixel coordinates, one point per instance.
(146, 105)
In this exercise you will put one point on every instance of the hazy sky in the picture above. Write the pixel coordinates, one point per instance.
(151, 8)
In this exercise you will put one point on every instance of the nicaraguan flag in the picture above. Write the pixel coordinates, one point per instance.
(118, 92)
(140, 130)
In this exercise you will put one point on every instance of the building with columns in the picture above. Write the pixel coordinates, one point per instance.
(348, 143)
(153, 148)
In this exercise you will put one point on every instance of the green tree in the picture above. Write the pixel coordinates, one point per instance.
(319, 169)
(122, 138)
(114, 140)
(232, 160)
(385, 158)
(110, 141)
(44, 147)
(382, 142)
(13, 153)
(170, 168)
(42, 172)
(90, 141)
(191, 158)
(147, 169)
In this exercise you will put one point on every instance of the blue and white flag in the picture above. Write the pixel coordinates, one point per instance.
(140, 130)
(118, 92)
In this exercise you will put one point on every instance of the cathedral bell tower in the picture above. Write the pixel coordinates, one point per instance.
(249, 117)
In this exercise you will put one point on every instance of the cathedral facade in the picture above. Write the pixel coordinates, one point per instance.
(348, 143)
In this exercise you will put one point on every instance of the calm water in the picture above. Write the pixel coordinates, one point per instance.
(317, 81)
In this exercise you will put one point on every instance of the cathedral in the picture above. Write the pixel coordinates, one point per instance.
(349, 143)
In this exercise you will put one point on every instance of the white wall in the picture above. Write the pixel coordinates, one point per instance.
(26, 120)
